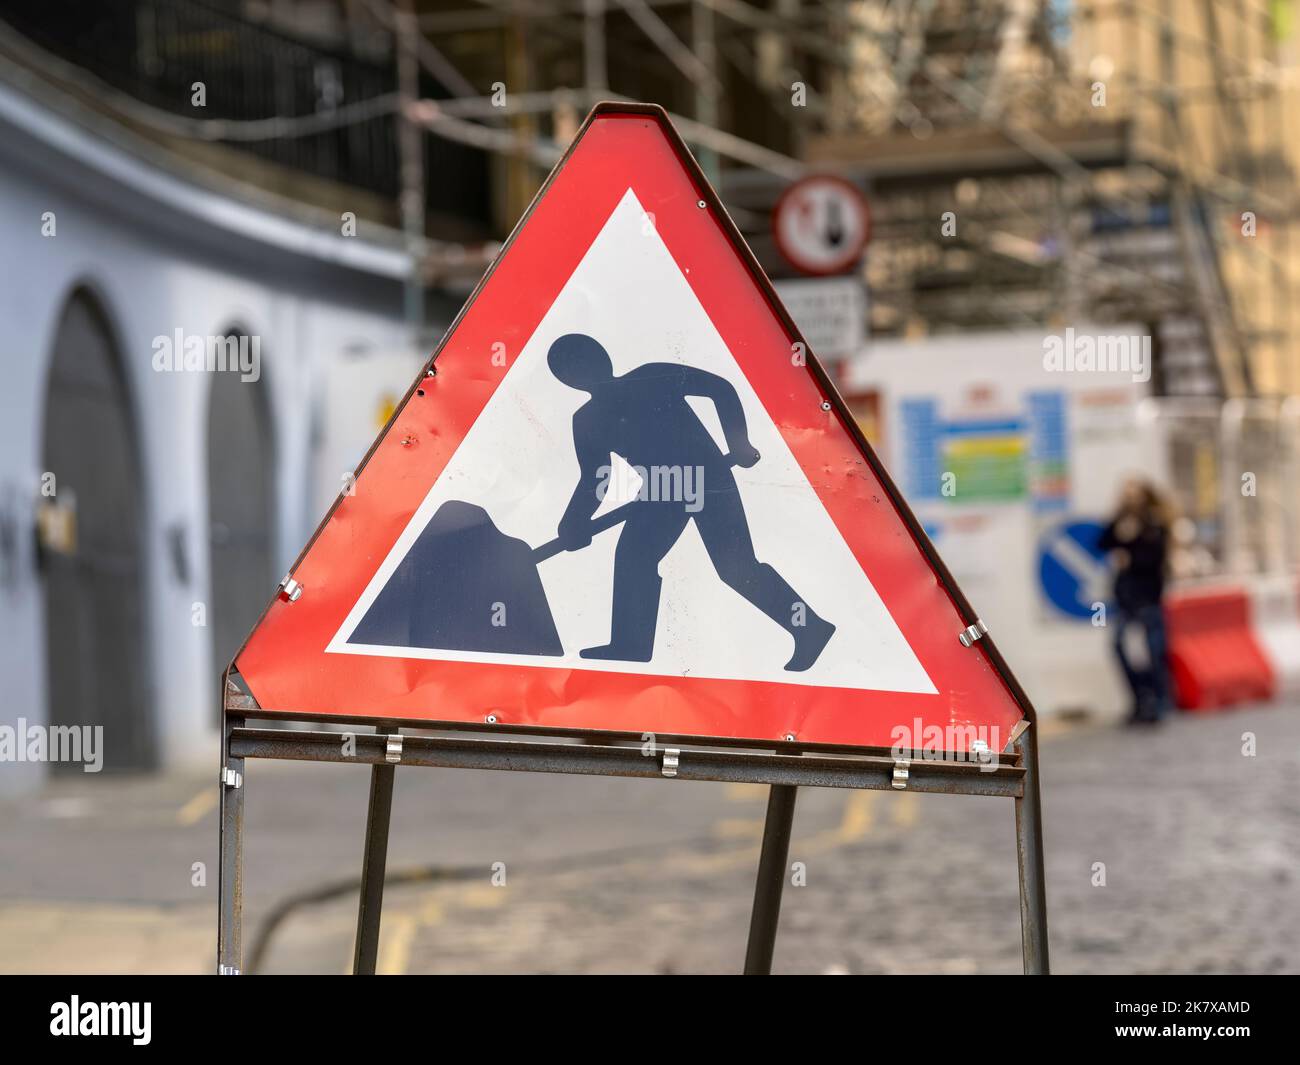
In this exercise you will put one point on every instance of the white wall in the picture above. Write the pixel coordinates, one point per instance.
(158, 258)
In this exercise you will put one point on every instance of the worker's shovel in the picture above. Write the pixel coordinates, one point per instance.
(598, 525)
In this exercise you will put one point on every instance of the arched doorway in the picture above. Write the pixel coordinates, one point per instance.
(241, 479)
(94, 595)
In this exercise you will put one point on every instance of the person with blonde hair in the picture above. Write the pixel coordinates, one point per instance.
(1138, 540)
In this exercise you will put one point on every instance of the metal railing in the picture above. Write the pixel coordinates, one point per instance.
(157, 51)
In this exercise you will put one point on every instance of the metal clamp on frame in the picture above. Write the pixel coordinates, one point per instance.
(971, 633)
(393, 749)
(231, 778)
(902, 771)
(672, 757)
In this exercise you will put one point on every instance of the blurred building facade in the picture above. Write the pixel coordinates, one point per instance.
(1101, 162)
(328, 178)
(152, 499)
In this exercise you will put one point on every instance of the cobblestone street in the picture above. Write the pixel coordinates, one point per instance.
(605, 875)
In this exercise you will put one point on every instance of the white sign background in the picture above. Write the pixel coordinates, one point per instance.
(518, 462)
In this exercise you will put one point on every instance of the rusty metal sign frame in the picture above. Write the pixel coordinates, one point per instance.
(981, 643)
(784, 767)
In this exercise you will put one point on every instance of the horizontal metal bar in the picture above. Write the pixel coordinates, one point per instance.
(603, 736)
(876, 773)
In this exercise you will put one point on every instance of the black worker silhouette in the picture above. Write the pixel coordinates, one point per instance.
(465, 585)
(643, 417)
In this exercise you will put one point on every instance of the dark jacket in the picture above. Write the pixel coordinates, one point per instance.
(1140, 581)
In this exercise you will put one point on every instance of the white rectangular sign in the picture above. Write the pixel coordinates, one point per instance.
(831, 313)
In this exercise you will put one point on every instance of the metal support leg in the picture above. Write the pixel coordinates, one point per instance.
(1029, 852)
(230, 875)
(771, 880)
(372, 870)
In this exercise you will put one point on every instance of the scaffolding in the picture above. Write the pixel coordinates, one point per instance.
(1107, 161)
(1028, 162)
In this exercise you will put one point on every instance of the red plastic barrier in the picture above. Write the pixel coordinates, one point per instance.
(1214, 657)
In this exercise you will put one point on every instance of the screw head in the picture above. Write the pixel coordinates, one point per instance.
(491, 719)
(788, 737)
(701, 205)
(826, 405)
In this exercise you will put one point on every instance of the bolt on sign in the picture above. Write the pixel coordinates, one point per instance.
(623, 498)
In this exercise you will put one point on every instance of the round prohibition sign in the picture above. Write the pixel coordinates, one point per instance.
(821, 224)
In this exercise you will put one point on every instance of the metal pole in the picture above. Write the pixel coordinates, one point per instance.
(706, 93)
(771, 880)
(595, 75)
(410, 144)
(1029, 854)
(373, 866)
(230, 873)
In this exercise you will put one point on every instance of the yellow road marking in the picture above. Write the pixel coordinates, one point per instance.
(855, 824)
(1057, 726)
(395, 939)
(906, 810)
(193, 810)
(858, 815)
(401, 926)
(710, 863)
(431, 911)
(738, 827)
(485, 896)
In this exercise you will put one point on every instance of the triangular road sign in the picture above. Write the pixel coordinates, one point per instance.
(624, 496)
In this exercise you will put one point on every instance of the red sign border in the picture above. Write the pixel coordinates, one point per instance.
(984, 645)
